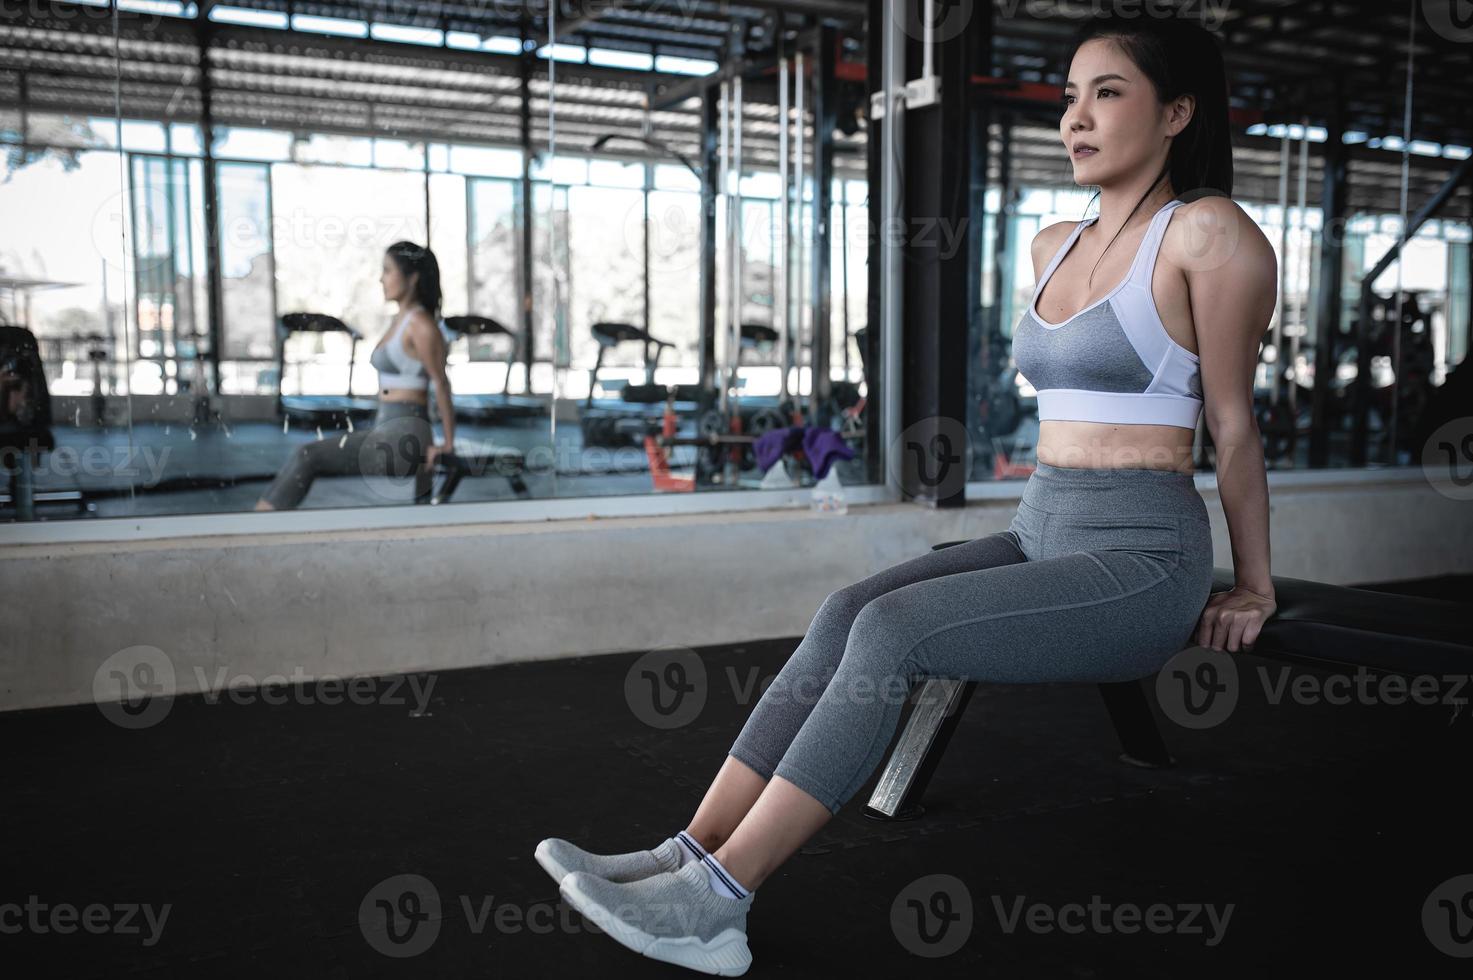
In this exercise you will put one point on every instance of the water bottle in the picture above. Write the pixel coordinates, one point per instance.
(828, 495)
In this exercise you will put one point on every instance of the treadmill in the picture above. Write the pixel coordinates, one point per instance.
(759, 413)
(328, 411)
(487, 407)
(640, 408)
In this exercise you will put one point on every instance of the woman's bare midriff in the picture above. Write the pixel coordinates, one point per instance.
(1100, 445)
(403, 395)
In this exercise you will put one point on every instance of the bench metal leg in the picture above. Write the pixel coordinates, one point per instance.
(23, 487)
(1135, 726)
(454, 473)
(938, 709)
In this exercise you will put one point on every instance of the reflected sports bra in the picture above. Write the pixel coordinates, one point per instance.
(396, 369)
(1113, 361)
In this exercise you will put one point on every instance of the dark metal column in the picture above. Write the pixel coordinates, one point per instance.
(1468, 341)
(874, 142)
(1332, 249)
(987, 350)
(1002, 236)
(709, 165)
(649, 185)
(204, 33)
(525, 204)
(938, 270)
(825, 118)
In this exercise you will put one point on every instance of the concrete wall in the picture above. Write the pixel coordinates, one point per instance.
(367, 602)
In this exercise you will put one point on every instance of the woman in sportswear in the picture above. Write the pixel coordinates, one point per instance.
(1142, 318)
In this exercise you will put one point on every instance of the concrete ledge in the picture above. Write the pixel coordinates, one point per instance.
(390, 600)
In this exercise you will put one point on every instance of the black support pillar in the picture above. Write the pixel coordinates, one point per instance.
(875, 394)
(938, 267)
(204, 30)
(525, 206)
(710, 163)
(825, 117)
(1332, 252)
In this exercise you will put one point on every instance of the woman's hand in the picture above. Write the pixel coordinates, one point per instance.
(436, 451)
(1232, 619)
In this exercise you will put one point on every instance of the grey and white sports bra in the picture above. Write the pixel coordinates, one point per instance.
(1113, 361)
(396, 369)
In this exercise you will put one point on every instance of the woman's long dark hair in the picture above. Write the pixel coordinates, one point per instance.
(1179, 58)
(411, 259)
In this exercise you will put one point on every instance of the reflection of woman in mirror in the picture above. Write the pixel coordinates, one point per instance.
(408, 357)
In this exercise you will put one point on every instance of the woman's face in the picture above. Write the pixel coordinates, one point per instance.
(396, 287)
(1111, 106)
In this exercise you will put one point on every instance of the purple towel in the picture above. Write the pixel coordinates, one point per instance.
(771, 445)
(822, 447)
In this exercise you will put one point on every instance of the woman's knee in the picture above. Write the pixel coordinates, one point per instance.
(881, 639)
(299, 464)
(843, 605)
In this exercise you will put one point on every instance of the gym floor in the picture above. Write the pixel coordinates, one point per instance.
(1321, 829)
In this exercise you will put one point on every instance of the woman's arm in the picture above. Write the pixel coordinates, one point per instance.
(1232, 278)
(430, 349)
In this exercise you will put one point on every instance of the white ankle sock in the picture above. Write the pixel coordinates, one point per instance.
(722, 882)
(690, 848)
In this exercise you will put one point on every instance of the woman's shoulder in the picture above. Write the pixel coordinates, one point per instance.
(1215, 213)
(1047, 241)
(420, 321)
(1214, 232)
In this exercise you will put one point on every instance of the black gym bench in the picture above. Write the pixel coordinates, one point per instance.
(474, 458)
(1315, 624)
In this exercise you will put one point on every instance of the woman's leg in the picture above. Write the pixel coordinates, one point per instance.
(1116, 609)
(787, 702)
(391, 458)
(388, 453)
(334, 455)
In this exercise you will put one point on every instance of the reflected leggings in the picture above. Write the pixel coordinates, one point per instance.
(1101, 576)
(387, 455)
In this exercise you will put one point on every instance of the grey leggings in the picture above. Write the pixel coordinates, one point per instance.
(387, 454)
(1101, 576)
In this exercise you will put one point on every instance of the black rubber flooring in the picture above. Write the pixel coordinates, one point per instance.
(1323, 831)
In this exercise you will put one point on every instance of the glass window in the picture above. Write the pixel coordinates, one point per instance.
(252, 144)
(59, 129)
(564, 170)
(321, 148)
(615, 173)
(67, 235)
(145, 136)
(674, 230)
(495, 243)
(676, 177)
(606, 258)
(485, 161)
(331, 226)
(184, 138)
(398, 154)
(247, 269)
